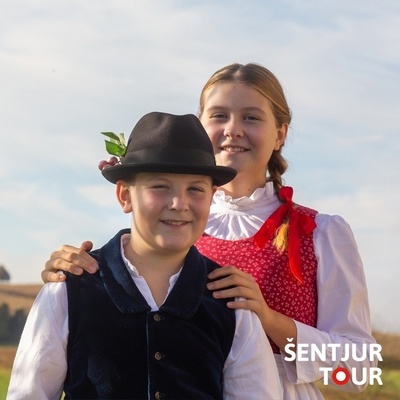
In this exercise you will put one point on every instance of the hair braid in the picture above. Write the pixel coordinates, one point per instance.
(277, 165)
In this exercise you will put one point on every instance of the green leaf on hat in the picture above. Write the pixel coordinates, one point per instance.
(116, 146)
(115, 149)
(112, 136)
(122, 138)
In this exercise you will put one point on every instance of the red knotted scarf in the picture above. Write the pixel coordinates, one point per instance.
(298, 223)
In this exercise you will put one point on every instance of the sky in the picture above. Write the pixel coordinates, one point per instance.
(72, 69)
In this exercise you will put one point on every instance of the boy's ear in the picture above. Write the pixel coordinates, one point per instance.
(124, 196)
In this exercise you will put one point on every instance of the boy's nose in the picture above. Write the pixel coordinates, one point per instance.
(178, 202)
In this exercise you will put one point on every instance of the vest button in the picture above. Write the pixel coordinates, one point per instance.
(158, 317)
(158, 356)
(159, 395)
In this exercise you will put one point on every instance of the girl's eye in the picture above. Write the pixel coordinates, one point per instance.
(218, 115)
(251, 118)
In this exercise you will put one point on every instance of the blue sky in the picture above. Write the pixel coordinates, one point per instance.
(69, 70)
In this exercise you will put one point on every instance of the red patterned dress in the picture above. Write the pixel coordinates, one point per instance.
(282, 291)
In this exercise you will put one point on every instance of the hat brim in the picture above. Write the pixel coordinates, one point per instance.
(220, 175)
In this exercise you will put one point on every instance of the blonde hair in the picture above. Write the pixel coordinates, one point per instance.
(266, 83)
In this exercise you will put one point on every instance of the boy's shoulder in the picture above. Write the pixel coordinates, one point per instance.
(210, 264)
(112, 246)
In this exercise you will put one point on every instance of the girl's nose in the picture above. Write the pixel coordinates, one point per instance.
(233, 129)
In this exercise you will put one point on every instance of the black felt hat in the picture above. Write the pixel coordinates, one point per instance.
(169, 143)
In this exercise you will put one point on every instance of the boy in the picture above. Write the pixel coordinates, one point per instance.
(144, 326)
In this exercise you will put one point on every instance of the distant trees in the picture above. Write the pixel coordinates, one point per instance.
(4, 275)
(11, 325)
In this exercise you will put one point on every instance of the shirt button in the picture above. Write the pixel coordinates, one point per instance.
(158, 356)
(159, 395)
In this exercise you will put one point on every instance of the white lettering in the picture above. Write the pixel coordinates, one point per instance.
(345, 353)
(316, 351)
(363, 372)
(325, 371)
(288, 350)
(335, 346)
(375, 373)
(375, 351)
(363, 355)
(302, 352)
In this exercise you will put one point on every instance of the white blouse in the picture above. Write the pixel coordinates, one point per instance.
(343, 309)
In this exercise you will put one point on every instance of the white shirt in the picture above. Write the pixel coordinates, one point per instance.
(343, 310)
(40, 364)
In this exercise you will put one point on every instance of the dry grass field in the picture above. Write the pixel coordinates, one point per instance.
(22, 297)
(18, 296)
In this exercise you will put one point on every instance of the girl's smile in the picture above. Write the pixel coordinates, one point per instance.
(241, 125)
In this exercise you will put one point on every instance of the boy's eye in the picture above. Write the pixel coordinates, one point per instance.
(196, 189)
(159, 187)
(218, 115)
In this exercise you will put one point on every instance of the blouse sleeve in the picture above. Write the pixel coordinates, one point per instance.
(251, 363)
(343, 319)
(40, 363)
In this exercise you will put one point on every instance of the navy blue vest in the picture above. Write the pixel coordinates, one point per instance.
(119, 349)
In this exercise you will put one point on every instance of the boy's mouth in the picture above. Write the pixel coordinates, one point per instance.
(175, 223)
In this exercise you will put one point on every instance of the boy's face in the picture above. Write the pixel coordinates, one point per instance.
(169, 211)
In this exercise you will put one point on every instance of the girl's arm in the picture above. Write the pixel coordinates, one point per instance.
(343, 309)
(236, 283)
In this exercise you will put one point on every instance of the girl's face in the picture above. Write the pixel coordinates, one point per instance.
(169, 211)
(242, 127)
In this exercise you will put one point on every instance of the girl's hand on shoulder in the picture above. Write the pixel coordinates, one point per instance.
(69, 258)
(231, 282)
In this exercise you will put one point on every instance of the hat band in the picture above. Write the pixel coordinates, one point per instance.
(170, 156)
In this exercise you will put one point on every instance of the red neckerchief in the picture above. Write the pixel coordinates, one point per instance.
(298, 223)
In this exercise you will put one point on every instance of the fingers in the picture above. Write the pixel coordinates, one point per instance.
(230, 276)
(249, 293)
(229, 270)
(233, 283)
(242, 300)
(73, 259)
(87, 245)
(69, 258)
(48, 276)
